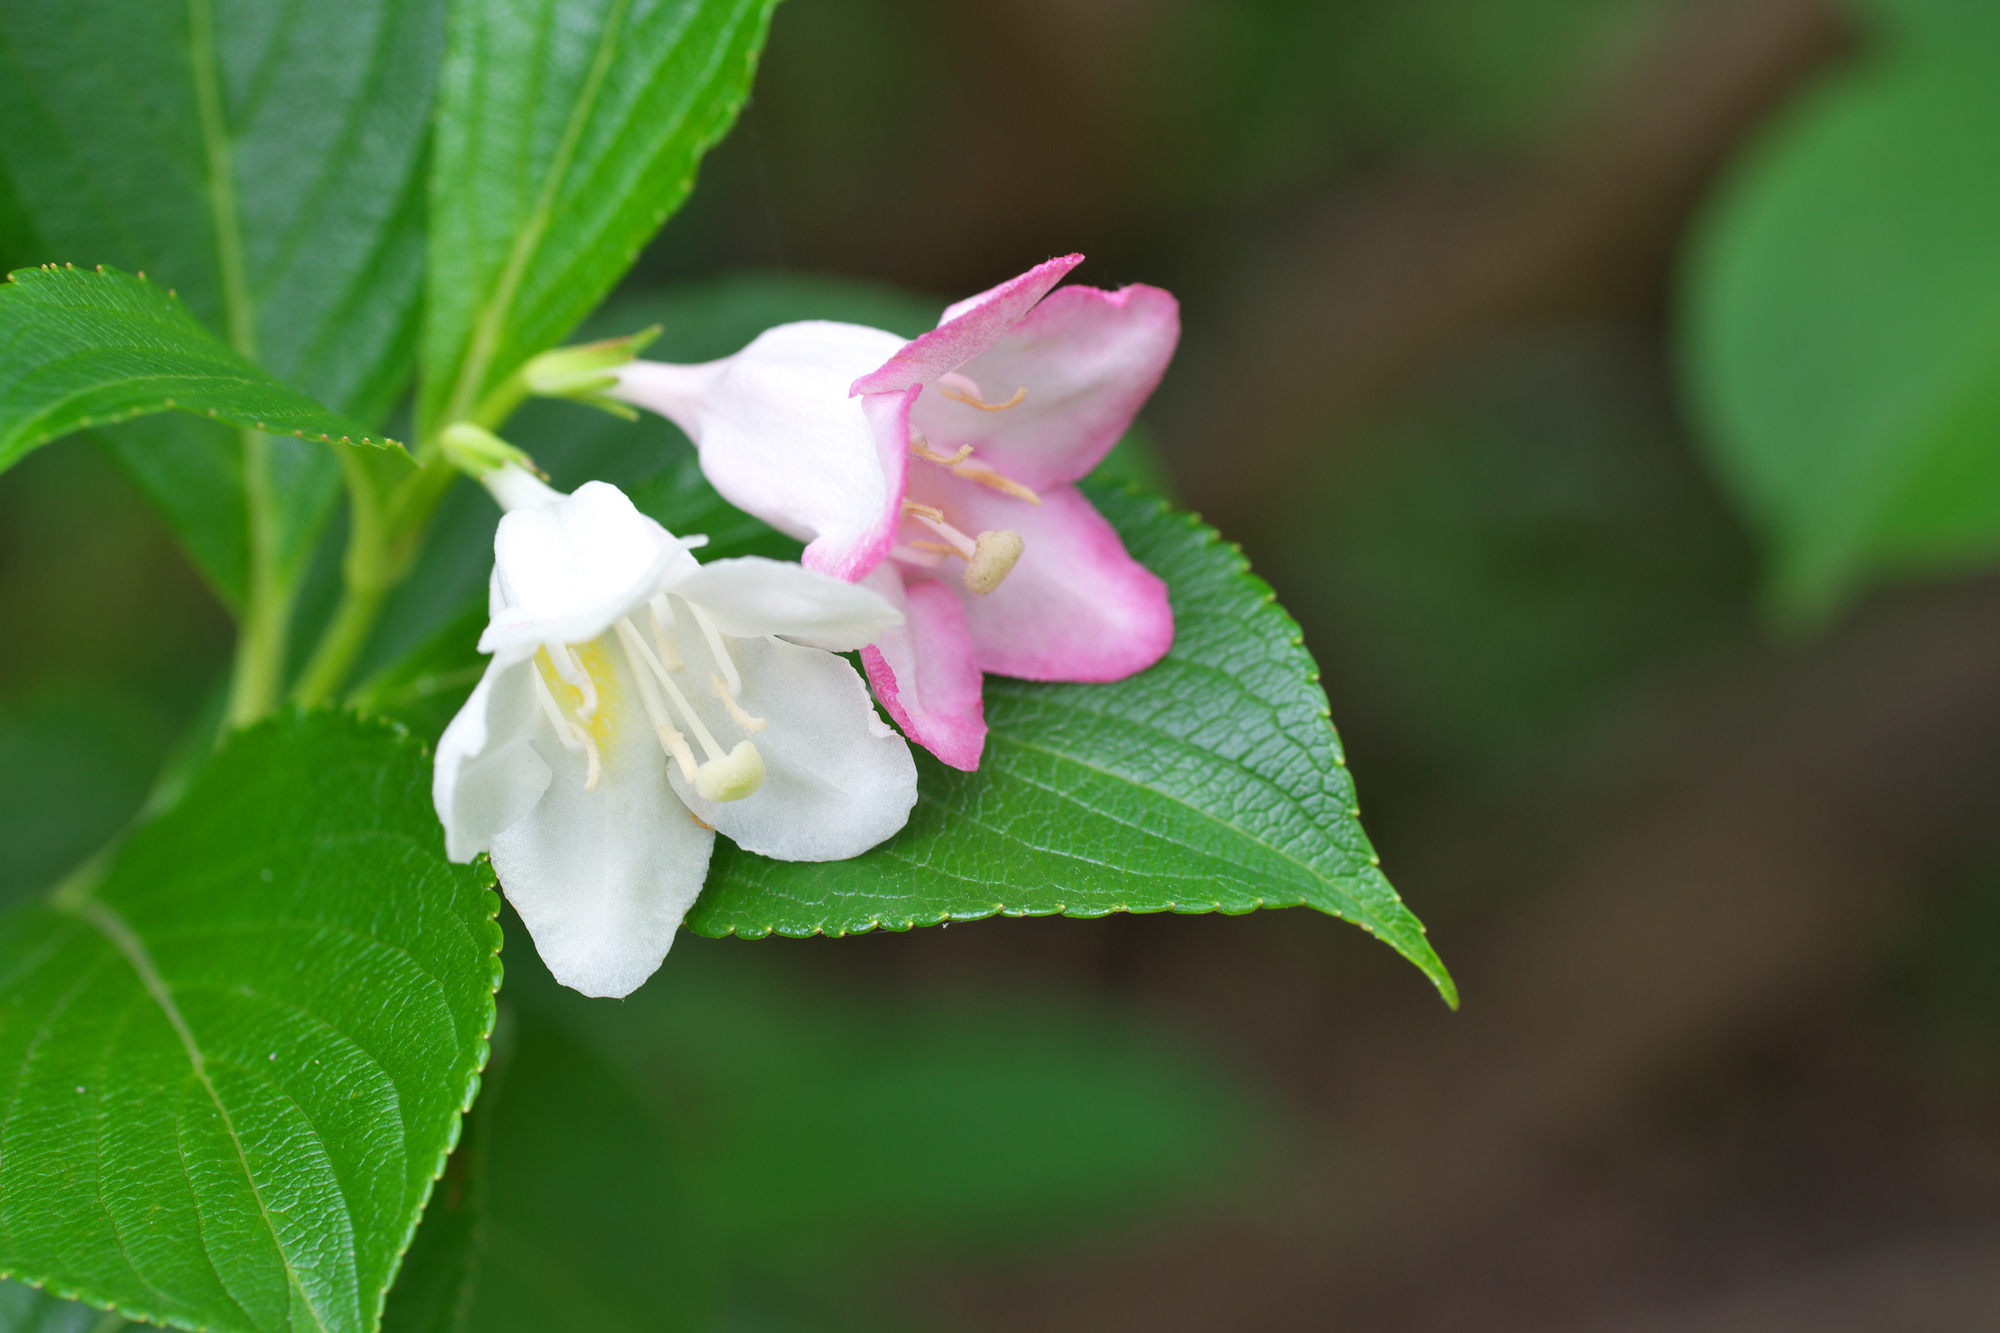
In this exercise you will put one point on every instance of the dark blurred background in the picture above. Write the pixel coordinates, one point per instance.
(1724, 903)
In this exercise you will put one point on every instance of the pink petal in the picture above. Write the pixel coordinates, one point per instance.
(968, 328)
(1088, 359)
(1075, 607)
(923, 670)
(852, 556)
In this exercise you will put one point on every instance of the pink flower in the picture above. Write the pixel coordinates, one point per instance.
(939, 472)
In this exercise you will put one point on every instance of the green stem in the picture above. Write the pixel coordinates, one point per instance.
(384, 536)
(340, 647)
(267, 611)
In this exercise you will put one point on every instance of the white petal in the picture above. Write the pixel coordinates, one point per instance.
(780, 437)
(837, 779)
(487, 774)
(750, 597)
(602, 878)
(566, 571)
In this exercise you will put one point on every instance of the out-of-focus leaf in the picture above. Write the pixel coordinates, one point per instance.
(1211, 782)
(1501, 560)
(26, 1309)
(235, 1068)
(566, 1208)
(830, 1136)
(74, 767)
(265, 162)
(566, 134)
(79, 347)
(1843, 328)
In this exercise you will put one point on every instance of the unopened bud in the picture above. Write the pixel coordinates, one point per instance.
(477, 451)
(583, 372)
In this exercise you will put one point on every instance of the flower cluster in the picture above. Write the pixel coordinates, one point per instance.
(639, 702)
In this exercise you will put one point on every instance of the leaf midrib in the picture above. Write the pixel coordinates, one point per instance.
(113, 928)
(218, 155)
(492, 316)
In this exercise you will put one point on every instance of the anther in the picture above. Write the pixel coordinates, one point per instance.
(734, 776)
(993, 559)
(986, 476)
(736, 713)
(921, 447)
(989, 558)
(930, 513)
(961, 389)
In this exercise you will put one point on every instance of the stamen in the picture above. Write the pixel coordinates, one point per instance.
(921, 447)
(722, 657)
(556, 719)
(571, 735)
(986, 476)
(971, 401)
(671, 740)
(988, 560)
(722, 777)
(741, 718)
(929, 558)
(674, 695)
(663, 621)
(961, 389)
(699, 820)
(574, 673)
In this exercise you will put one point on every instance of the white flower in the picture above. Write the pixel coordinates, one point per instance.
(638, 702)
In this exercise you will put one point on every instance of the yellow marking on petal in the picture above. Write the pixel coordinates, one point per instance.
(610, 696)
(699, 820)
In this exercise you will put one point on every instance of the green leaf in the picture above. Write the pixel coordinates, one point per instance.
(234, 1071)
(1211, 782)
(267, 163)
(1843, 330)
(78, 348)
(566, 134)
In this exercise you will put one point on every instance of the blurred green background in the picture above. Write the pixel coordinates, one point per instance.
(1608, 387)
